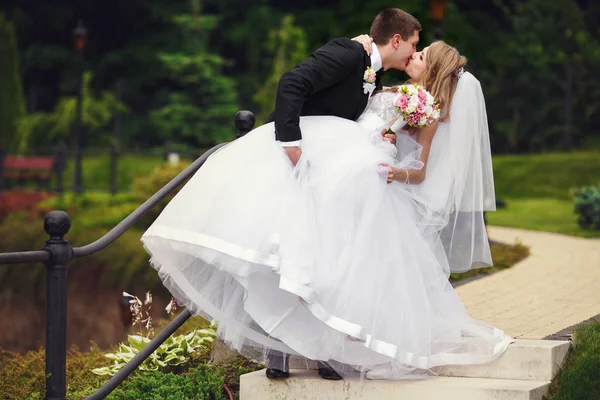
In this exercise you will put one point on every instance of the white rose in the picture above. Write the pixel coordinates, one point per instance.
(413, 102)
(423, 121)
(412, 105)
(428, 109)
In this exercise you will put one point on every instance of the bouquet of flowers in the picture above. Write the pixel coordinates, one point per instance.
(416, 105)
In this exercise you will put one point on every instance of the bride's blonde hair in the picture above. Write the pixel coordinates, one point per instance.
(440, 77)
(442, 66)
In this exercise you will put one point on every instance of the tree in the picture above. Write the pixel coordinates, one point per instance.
(288, 43)
(549, 49)
(46, 128)
(12, 104)
(199, 105)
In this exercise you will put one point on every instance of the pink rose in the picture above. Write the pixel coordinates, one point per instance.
(422, 96)
(421, 107)
(403, 102)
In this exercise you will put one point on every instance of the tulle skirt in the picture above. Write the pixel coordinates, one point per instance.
(324, 260)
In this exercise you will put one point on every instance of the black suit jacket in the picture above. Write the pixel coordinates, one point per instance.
(329, 82)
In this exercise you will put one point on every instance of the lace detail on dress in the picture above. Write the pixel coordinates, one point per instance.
(380, 112)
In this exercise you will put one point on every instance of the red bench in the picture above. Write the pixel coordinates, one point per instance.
(27, 168)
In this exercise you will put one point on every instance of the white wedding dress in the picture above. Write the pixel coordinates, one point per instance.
(325, 260)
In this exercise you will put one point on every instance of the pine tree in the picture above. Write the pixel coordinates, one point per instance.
(12, 103)
(288, 43)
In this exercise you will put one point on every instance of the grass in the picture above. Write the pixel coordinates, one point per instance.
(545, 175)
(537, 190)
(579, 379)
(545, 214)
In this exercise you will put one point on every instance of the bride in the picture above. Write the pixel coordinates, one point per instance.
(345, 257)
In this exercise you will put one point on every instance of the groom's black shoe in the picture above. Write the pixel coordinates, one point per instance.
(273, 373)
(326, 372)
(278, 366)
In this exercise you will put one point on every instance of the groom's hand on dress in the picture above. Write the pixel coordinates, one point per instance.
(388, 136)
(294, 153)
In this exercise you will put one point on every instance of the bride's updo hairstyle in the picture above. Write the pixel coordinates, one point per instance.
(443, 67)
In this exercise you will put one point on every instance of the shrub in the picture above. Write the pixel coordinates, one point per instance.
(93, 209)
(22, 376)
(146, 187)
(201, 383)
(124, 262)
(587, 207)
(19, 200)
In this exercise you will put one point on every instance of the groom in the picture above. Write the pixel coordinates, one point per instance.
(334, 81)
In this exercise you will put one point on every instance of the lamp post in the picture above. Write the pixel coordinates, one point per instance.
(79, 42)
(438, 12)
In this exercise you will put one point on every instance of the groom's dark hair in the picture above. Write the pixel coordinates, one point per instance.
(393, 21)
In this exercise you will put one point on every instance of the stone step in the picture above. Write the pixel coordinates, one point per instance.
(306, 385)
(536, 360)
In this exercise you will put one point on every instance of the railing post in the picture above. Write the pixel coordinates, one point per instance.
(56, 224)
(167, 150)
(114, 154)
(244, 122)
(1, 166)
(60, 163)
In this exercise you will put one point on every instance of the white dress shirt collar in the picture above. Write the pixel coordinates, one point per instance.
(376, 62)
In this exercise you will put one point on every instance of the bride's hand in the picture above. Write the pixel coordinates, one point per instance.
(388, 137)
(395, 174)
(366, 41)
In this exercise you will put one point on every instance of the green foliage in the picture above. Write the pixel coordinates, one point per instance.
(22, 376)
(93, 214)
(198, 109)
(587, 207)
(201, 383)
(96, 170)
(175, 351)
(125, 261)
(183, 70)
(546, 38)
(146, 186)
(96, 113)
(578, 379)
(288, 43)
(12, 103)
(94, 209)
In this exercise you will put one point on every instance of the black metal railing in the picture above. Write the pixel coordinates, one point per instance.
(56, 256)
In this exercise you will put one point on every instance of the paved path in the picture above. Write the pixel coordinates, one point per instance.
(556, 287)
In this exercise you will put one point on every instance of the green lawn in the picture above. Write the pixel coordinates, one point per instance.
(550, 215)
(537, 190)
(545, 175)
